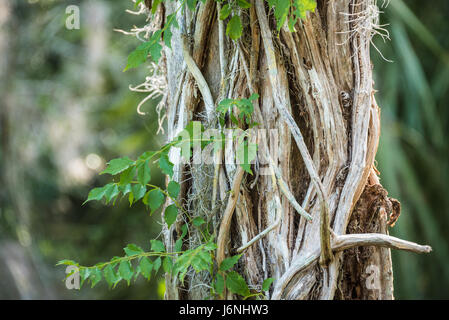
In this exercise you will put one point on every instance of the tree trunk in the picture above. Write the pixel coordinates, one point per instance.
(322, 130)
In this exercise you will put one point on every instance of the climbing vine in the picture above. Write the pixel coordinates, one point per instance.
(131, 178)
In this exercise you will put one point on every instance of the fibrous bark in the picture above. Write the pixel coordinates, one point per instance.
(315, 156)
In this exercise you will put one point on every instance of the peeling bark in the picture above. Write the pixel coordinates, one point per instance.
(317, 84)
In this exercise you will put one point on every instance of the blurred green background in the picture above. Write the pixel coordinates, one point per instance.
(66, 109)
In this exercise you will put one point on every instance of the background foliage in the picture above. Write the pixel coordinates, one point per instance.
(66, 110)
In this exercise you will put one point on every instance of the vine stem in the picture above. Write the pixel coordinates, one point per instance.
(282, 104)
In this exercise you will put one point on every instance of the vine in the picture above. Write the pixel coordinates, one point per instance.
(131, 178)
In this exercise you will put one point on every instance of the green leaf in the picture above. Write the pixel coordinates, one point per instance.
(281, 10)
(147, 155)
(84, 274)
(178, 245)
(228, 263)
(155, 5)
(234, 28)
(173, 189)
(154, 198)
(157, 264)
(191, 4)
(127, 176)
(143, 172)
(165, 165)
(170, 215)
(157, 246)
(146, 266)
(96, 194)
(246, 152)
(125, 189)
(111, 192)
(155, 49)
(199, 258)
(132, 250)
(254, 96)
(267, 284)
(202, 261)
(225, 11)
(171, 20)
(210, 246)
(243, 4)
(197, 222)
(236, 284)
(131, 199)
(125, 270)
(110, 275)
(167, 264)
(138, 191)
(184, 230)
(67, 262)
(219, 284)
(138, 56)
(116, 166)
(303, 6)
(95, 277)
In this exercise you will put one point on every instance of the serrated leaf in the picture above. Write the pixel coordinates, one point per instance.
(225, 11)
(111, 192)
(178, 245)
(157, 246)
(132, 249)
(96, 194)
(170, 215)
(303, 6)
(84, 274)
(184, 231)
(95, 277)
(138, 191)
(236, 284)
(246, 153)
(125, 270)
(234, 28)
(67, 262)
(228, 263)
(202, 261)
(197, 222)
(254, 96)
(138, 56)
(167, 264)
(125, 189)
(147, 155)
(210, 246)
(154, 199)
(155, 52)
(243, 4)
(143, 172)
(191, 4)
(117, 166)
(165, 165)
(157, 264)
(173, 189)
(127, 176)
(110, 275)
(267, 284)
(146, 266)
(219, 284)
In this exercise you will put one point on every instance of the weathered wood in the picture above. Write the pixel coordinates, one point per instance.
(317, 105)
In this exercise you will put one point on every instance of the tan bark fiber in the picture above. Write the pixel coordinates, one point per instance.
(316, 91)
